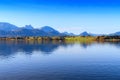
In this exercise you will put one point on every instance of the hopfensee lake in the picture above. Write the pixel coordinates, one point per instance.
(20, 60)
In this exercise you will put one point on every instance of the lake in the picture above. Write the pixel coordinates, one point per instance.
(21, 60)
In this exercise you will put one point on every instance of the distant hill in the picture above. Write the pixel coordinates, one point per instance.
(68, 34)
(7, 26)
(89, 34)
(10, 30)
(28, 27)
(115, 34)
(85, 34)
(50, 31)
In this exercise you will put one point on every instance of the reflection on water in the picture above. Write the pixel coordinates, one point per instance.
(25, 60)
(8, 48)
(11, 47)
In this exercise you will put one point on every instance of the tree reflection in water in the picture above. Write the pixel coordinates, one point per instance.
(8, 48)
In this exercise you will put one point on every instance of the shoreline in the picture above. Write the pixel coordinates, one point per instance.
(67, 38)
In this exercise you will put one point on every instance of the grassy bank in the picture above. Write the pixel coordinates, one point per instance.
(67, 38)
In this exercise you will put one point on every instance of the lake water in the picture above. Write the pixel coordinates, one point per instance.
(21, 60)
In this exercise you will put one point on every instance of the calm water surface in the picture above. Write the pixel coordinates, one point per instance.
(59, 61)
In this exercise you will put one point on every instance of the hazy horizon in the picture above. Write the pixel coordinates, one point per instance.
(76, 16)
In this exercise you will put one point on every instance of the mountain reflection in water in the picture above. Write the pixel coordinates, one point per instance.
(8, 48)
(35, 60)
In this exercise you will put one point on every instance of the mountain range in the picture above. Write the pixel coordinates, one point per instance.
(10, 30)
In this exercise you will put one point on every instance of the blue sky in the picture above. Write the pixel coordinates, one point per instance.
(95, 16)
